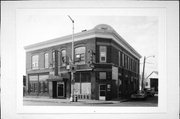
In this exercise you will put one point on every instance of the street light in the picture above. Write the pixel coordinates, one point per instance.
(145, 58)
(72, 64)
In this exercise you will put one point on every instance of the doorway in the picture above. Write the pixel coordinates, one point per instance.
(60, 89)
(102, 92)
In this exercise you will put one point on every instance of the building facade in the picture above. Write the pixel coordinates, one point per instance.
(106, 66)
(152, 81)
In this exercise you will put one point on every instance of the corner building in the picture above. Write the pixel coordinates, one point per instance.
(106, 66)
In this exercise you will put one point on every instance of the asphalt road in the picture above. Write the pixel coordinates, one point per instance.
(149, 102)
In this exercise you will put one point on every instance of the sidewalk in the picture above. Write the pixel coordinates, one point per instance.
(85, 101)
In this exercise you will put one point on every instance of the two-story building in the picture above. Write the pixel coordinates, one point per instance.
(106, 66)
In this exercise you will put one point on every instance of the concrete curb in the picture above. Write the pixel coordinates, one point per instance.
(68, 101)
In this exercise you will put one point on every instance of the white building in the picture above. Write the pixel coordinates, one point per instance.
(152, 80)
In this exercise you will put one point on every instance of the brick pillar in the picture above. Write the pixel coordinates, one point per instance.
(93, 86)
(68, 88)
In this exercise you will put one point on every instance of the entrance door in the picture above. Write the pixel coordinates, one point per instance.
(60, 89)
(102, 92)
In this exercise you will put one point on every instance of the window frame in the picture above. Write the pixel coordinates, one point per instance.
(125, 61)
(46, 61)
(123, 64)
(82, 59)
(119, 53)
(34, 65)
(63, 63)
(53, 58)
(100, 53)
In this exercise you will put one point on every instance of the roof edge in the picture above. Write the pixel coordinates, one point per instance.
(104, 28)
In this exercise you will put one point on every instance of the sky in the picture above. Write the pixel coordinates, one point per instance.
(141, 32)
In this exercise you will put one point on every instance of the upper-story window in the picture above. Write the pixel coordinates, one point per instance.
(103, 52)
(127, 65)
(35, 62)
(63, 57)
(46, 60)
(53, 59)
(122, 59)
(80, 55)
(119, 58)
(132, 65)
(136, 66)
(125, 61)
(130, 62)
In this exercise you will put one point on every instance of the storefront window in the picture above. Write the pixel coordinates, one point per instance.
(38, 83)
(85, 77)
(82, 77)
(43, 83)
(36, 87)
(33, 81)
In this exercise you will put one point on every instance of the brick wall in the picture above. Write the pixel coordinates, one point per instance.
(88, 43)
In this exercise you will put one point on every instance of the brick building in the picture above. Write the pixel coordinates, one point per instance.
(107, 67)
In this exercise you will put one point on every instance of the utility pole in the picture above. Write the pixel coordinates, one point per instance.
(142, 83)
(72, 64)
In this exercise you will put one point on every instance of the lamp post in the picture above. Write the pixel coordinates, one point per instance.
(72, 64)
(145, 58)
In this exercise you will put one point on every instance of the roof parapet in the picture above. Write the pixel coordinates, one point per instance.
(101, 28)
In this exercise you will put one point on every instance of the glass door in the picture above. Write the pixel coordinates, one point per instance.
(102, 92)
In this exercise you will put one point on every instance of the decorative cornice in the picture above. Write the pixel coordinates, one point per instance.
(102, 31)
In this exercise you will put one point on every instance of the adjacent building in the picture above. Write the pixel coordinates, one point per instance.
(152, 81)
(106, 66)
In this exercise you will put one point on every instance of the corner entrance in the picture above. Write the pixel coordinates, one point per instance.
(60, 89)
(102, 92)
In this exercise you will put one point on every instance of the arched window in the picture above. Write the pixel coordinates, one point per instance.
(63, 57)
(53, 58)
(80, 55)
(35, 62)
(46, 60)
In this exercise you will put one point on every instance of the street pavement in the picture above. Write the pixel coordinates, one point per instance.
(45, 101)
